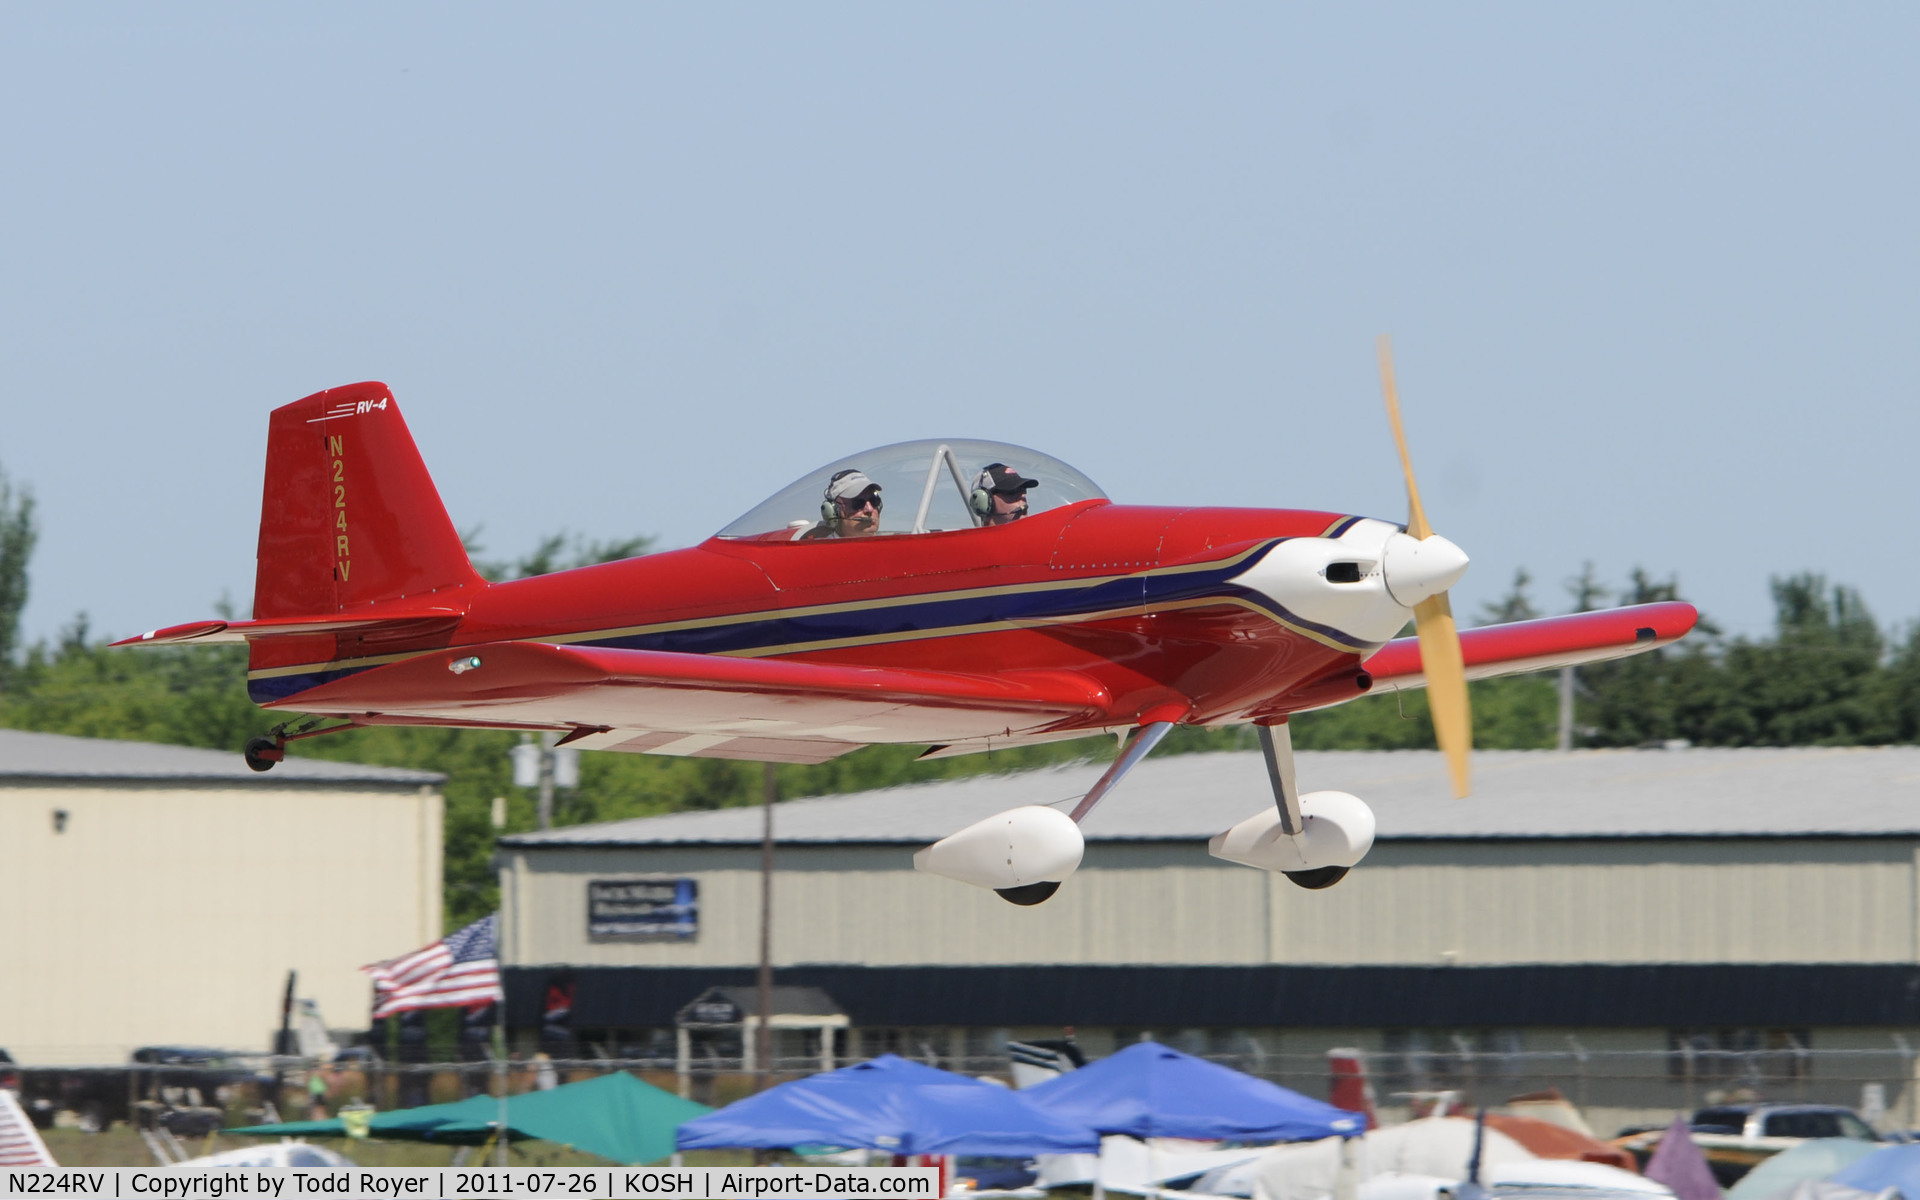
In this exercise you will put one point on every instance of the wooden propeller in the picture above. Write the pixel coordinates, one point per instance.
(1440, 656)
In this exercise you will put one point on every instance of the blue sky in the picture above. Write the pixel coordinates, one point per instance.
(1650, 269)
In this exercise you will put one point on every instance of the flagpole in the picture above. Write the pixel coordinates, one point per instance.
(459, 970)
(500, 1072)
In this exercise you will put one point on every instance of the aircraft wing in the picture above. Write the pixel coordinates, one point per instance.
(666, 702)
(1550, 642)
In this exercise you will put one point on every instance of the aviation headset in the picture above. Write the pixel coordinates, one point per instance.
(830, 508)
(981, 500)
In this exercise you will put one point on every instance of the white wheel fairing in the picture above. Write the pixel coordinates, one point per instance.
(1012, 849)
(1339, 832)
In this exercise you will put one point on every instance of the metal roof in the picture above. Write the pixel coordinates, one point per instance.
(1789, 792)
(54, 756)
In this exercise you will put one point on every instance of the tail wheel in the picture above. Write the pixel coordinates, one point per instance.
(1319, 877)
(262, 753)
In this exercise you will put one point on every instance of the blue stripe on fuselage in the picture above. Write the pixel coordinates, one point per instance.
(1041, 604)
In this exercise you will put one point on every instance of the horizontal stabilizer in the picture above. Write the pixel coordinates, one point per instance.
(397, 623)
(1550, 642)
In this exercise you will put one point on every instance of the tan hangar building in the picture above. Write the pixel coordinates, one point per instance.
(160, 894)
(1674, 920)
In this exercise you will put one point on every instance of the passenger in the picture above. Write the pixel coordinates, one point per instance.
(1000, 494)
(850, 507)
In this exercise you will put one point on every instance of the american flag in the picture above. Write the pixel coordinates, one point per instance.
(20, 1144)
(461, 969)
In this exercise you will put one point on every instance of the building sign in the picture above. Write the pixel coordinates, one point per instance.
(712, 1009)
(665, 910)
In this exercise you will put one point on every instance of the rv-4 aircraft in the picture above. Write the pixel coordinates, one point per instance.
(964, 595)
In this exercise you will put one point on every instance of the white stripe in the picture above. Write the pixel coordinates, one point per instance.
(20, 1144)
(691, 744)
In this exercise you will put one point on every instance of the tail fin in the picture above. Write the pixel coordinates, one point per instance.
(1348, 1086)
(349, 515)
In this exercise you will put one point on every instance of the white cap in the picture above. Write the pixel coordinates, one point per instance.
(848, 484)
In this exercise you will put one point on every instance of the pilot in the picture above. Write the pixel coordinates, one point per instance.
(850, 507)
(1000, 494)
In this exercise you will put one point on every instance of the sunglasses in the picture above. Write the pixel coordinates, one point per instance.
(863, 500)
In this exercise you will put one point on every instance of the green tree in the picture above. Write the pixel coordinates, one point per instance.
(1819, 680)
(1673, 692)
(1903, 687)
(555, 552)
(183, 695)
(17, 536)
(1585, 589)
(1514, 606)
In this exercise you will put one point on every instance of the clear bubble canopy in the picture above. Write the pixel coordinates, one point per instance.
(925, 486)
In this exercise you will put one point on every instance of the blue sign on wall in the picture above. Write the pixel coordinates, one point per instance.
(654, 909)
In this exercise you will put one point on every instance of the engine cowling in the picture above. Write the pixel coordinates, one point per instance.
(1338, 833)
(1024, 853)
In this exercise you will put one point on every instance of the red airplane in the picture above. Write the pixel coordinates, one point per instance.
(965, 595)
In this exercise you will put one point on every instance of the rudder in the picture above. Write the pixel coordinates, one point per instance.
(349, 515)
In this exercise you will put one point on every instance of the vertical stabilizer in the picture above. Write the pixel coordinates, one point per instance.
(1348, 1086)
(349, 515)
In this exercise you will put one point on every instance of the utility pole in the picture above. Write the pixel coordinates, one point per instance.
(503, 1127)
(1565, 740)
(546, 781)
(546, 766)
(763, 1033)
(1587, 595)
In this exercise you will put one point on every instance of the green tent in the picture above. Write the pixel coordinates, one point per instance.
(458, 1120)
(615, 1116)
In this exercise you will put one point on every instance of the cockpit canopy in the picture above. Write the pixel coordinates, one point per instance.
(925, 486)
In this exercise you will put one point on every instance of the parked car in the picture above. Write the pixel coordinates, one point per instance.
(1794, 1122)
(1738, 1137)
(158, 1085)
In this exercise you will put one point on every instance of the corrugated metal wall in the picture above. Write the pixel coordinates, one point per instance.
(161, 914)
(1474, 903)
(1610, 902)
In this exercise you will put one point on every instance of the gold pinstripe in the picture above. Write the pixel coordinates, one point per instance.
(1080, 582)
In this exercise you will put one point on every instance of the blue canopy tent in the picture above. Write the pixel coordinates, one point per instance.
(1893, 1167)
(891, 1105)
(1149, 1090)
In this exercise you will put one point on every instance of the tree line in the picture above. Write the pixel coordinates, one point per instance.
(1827, 674)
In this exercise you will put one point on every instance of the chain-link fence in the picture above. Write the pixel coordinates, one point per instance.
(1614, 1088)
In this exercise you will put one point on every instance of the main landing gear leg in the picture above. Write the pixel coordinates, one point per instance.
(1142, 742)
(262, 753)
(1138, 747)
(1276, 745)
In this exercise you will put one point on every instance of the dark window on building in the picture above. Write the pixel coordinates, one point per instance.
(921, 1045)
(1419, 1060)
(1755, 1054)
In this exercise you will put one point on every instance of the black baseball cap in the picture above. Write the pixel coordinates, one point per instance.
(999, 477)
